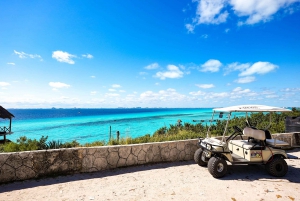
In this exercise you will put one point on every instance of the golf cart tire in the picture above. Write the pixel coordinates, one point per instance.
(217, 167)
(198, 158)
(277, 167)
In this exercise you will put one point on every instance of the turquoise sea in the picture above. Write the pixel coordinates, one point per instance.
(88, 125)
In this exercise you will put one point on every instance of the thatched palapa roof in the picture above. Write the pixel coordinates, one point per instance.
(4, 114)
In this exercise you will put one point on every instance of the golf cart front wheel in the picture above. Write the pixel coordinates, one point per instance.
(199, 157)
(277, 167)
(217, 167)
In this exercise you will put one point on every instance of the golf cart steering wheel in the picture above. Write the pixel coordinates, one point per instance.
(237, 129)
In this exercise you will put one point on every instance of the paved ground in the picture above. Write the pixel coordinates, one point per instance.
(166, 181)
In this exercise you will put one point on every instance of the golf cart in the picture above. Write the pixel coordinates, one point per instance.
(249, 145)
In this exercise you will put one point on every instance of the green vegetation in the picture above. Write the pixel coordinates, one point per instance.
(173, 132)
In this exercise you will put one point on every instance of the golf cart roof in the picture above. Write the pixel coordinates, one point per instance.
(251, 108)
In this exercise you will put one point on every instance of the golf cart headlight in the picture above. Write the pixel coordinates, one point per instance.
(208, 147)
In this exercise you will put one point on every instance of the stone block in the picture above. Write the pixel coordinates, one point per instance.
(180, 145)
(136, 149)
(52, 156)
(91, 151)
(149, 156)
(122, 162)
(147, 146)
(101, 152)
(101, 164)
(14, 160)
(24, 172)
(112, 159)
(165, 153)
(39, 161)
(156, 149)
(174, 154)
(142, 155)
(113, 148)
(181, 155)
(124, 151)
(7, 174)
(131, 160)
(88, 161)
(3, 158)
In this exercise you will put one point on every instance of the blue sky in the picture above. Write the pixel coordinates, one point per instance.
(189, 53)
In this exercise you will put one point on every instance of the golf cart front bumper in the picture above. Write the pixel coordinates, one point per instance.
(211, 148)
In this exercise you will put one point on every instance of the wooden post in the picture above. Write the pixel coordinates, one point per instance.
(10, 124)
(109, 133)
(118, 135)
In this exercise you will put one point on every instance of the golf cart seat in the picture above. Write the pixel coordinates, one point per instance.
(263, 135)
(255, 139)
(254, 133)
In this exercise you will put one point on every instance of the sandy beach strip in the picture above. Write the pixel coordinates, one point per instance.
(164, 181)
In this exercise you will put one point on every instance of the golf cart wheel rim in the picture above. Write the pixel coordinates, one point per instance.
(220, 167)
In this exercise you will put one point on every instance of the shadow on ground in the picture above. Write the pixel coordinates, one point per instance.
(258, 172)
(19, 185)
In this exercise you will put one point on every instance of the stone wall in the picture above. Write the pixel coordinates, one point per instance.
(18, 166)
(292, 138)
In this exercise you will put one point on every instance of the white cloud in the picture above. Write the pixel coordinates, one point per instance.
(211, 65)
(259, 68)
(272, 96)
(93, 76)
(57, 85)
(197, 93)
(143, 73)
(245, 80)
(173, 72)
(152, 66)
(93, 92)
(111, 90)
(258, 10)
(163, 95)
(23, 55)
(122, 91)
(236, 67)
(205, 86)
(211, 12)
(239, 90)
(116, 86)
(4, 84)
(217, 95)
(190, 28)
(110, 95)
(227, 30)
(248, 11)
(204, 36)
(11, 63)
(291, 89)
(89, 56)
(64, 57)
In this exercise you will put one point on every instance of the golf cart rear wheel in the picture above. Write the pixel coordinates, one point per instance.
(217, 167)
(277, 167)
(199, 157)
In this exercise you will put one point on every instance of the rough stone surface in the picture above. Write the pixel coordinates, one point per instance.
(35, 164)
